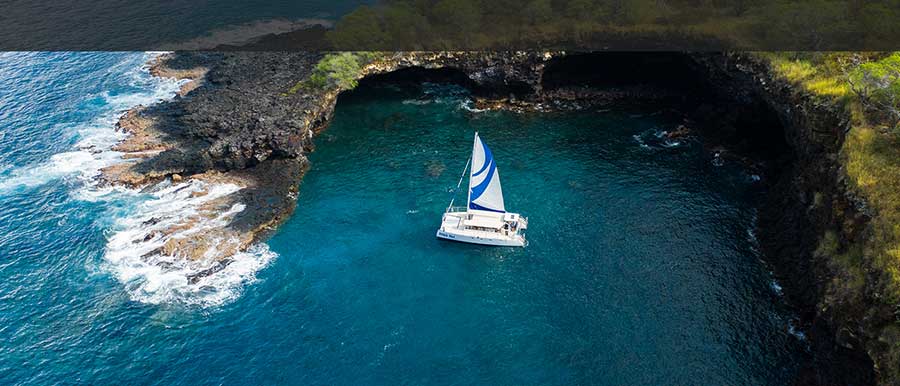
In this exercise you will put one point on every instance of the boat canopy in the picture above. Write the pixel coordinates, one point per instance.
(484, 222)
(484, 180)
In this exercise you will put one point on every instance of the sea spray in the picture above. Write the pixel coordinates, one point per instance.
(176, 212)
(147, 278)
(95, 138)
(157, 277)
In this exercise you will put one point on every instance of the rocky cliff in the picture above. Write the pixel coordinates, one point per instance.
(812, 223)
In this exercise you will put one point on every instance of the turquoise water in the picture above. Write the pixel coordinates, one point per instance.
(642, 268)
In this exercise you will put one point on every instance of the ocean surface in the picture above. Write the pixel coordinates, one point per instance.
(152, 25)
(642, 266)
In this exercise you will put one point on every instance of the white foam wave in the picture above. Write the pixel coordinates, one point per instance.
(84, 164)
(467, 105)
(137, 220)
(656, 139)
(442, 93)
(135, 256)
(95, 138)
(464, 104)
(417, 102)
(751, 235)
(640, 141)
(671, 143)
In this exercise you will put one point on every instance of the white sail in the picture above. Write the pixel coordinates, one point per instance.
(484, 180)
(485, 220)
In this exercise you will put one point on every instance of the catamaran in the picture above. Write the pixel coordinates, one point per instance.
(484, 220)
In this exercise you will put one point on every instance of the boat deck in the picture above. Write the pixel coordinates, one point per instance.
(480, 229)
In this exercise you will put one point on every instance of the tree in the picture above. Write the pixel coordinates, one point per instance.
(337, 70)
(877, 84)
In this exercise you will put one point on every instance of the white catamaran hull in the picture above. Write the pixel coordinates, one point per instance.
(453, 228)
(488, 240)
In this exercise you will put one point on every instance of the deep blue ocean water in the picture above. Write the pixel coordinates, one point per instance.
(642, 267)
(153, 25)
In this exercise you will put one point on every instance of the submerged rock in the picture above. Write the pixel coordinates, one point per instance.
(435, 168)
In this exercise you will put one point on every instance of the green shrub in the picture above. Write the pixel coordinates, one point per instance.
(877, 83)
(340, 70)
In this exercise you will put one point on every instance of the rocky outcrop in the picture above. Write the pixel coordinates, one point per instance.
(231, 125)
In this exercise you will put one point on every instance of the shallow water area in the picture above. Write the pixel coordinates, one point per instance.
(642, 266)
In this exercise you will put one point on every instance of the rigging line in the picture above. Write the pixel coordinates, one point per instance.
(458, 184)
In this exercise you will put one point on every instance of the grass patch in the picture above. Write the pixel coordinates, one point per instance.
(871, 157)
(872, 160)
(817, 73)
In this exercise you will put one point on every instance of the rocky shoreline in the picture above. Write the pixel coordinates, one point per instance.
(234, 122)
(189, 140)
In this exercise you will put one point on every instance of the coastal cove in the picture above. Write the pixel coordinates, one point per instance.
(659, 205)
(653, 276)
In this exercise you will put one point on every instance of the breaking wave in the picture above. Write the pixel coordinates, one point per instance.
(136, 218)
(95, 138)
(776, 287)
(175, 212)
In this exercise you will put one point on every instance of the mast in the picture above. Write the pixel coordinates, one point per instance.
(458, 184)
(469, 188)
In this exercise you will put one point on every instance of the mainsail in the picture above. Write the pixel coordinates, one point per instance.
(484, 181)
